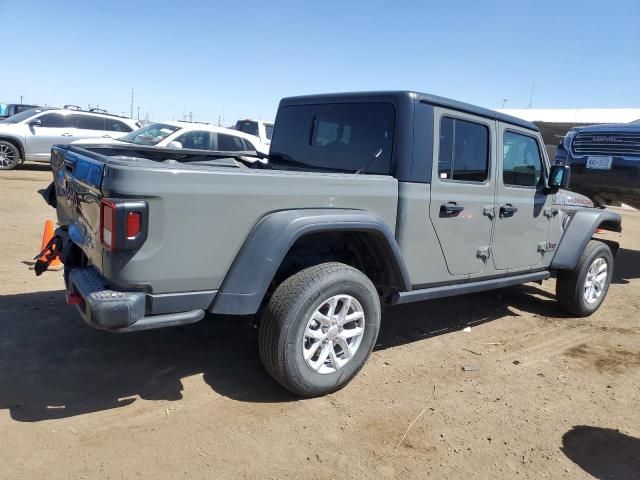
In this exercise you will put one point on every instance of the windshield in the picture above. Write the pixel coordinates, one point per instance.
(269, 128)
(18, 117)
(150, 135)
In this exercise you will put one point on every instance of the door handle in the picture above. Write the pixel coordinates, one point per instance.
(67, 135)
(450, 209)
(106, 136)
(507, 210)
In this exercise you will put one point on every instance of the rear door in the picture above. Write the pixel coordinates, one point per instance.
(91, 126)
(55, 128)
(522, 223)
(462, 189)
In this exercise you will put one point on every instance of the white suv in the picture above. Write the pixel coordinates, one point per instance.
(261, 129)
(29, 135)
(196, 136)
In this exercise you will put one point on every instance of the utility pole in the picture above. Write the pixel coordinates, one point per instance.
(219, 124)
(138, 112)
(131, 103)
(20, 99)
(191, 116)
(533, 88)
(504, 102)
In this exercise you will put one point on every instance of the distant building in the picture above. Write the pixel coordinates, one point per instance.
(554, 123)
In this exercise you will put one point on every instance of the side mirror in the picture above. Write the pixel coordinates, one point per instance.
(174, 144)
(35, 123)
(559, 176)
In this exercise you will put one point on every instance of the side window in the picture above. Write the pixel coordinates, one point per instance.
(521, 163)
(117, 126)
(54, 120)
(89, 122)
(248, 145)
(196, 140)
(229, 143)
(464, 150)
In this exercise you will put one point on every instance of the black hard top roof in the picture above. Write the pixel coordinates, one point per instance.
(405, 96)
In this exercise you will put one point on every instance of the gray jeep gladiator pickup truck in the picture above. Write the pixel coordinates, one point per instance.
(367, 199)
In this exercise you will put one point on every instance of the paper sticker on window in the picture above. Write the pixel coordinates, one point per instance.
(443, 175)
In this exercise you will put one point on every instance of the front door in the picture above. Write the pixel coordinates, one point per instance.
(55, 128)
(462, 189)
(522, 203)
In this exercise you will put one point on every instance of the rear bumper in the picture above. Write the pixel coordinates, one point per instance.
(125, 311)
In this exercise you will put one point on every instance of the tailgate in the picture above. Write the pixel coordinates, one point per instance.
(77, 179)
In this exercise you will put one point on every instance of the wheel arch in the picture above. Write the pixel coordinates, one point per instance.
(279, 234)
(579, 231)
(16, 143)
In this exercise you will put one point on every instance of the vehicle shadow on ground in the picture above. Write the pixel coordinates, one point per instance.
(627, 266)
(603, 452)
(54, 366)
(416, 321)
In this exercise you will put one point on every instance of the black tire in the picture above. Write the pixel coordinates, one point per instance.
(570, 284)
(9, 156)
(284, 322)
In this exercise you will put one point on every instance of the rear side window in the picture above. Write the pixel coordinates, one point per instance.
(89, 122)
(197, 140)
(248, 127)
(248, 145)
(342, 137)
(269, 130)
(54, 120)
(117, 126)
(464, 150)
(229, 143)
(521, 163)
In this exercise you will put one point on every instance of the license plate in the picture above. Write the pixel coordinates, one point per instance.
(599, 163)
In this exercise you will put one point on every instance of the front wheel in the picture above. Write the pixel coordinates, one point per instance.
(581, 291)
(9, 156)
(319, 328)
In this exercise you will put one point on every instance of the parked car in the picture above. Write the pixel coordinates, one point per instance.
(605, 162)
(352, 211)
(261, 129)
(9, 109)
(29, 135)
(196, 136)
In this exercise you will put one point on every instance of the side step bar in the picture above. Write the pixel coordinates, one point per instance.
(469, 287)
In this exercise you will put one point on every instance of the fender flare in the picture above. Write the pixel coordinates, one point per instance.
(579, 231)
(257, 262)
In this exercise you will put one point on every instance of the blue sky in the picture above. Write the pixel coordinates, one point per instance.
(206, 56)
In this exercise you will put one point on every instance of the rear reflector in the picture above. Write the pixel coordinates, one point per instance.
(134, 224)
(107, 223)
(74, 299)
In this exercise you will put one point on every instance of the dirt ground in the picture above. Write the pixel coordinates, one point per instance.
(552, 396)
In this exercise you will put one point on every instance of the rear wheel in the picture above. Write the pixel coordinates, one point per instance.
(319, 328)
(581, 291)
(9, 156)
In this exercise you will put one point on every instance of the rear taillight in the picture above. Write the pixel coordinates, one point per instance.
(123, 224)
(107, 223)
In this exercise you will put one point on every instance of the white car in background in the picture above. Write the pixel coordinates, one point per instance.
(259, 128)
(29, 135)
(191, 135)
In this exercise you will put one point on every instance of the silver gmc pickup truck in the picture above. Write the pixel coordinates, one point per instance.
(366, 199)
